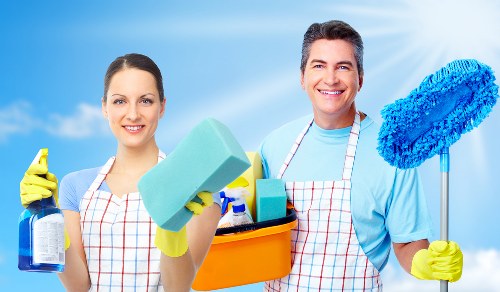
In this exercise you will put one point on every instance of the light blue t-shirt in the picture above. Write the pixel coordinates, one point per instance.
(387, 203)
(74, 185)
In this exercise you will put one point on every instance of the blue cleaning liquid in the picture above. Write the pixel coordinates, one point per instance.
(41, 237)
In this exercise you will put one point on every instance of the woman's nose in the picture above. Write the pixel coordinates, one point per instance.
(132, 113)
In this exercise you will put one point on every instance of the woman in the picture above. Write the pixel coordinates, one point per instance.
(112, 238)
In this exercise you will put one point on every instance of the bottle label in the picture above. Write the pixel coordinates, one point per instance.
(48, 240)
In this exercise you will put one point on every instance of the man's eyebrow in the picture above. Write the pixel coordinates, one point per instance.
(345, 63)
(318, 61)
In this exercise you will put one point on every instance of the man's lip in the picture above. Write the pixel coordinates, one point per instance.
(331, 92)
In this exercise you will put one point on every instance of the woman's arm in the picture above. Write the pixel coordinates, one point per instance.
(178, 273)
(76, 275)
(405, 252)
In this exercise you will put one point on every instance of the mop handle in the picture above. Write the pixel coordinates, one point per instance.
(445, 168)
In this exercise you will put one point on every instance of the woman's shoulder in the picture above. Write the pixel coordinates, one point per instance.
(81, 177)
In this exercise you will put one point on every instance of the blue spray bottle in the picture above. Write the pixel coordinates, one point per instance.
(41, 234)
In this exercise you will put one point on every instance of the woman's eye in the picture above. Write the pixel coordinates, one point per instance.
(147, 101)
(118, 101)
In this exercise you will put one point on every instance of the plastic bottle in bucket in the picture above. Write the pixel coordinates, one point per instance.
(239, 213)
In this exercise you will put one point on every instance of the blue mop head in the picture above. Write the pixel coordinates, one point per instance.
(433, 116)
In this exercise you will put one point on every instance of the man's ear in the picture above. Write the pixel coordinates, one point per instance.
(302, 80)
(361, 78)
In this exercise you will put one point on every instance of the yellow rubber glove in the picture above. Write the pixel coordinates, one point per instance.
(174, 244)
(441, 261)
(38, 183)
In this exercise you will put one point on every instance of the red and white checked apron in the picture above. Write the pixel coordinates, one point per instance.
(118, 239)
(326, 255)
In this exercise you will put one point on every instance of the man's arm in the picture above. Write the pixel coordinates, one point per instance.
(440, 260)
(405, 252)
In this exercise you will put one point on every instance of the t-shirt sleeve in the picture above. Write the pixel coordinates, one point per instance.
(74, 186)
(407, 216)
(68, 199)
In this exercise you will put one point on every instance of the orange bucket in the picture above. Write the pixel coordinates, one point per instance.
(248, 257)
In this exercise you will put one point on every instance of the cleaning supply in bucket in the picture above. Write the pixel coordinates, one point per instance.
(239, 214)
(41, 234)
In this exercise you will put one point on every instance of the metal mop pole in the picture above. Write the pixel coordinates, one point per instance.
(445, 168)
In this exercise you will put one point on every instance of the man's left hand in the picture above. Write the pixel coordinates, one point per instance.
(441, 261)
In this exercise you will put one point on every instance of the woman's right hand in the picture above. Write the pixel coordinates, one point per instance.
(38, 183)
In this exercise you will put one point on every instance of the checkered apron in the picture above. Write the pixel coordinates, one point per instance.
(118, 236)
(326, 255)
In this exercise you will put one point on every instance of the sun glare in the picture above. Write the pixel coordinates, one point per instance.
(457, 28)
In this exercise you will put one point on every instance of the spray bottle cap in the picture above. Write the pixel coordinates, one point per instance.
(238, 208)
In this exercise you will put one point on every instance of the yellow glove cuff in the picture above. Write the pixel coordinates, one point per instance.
(66, 240)
(170, 243)
(420, 268)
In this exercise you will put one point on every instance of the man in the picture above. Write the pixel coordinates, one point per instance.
(350, 203)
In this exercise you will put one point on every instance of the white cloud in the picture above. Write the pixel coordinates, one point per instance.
(15, 119)
(18, 118)
(481, 272)
(87, 121)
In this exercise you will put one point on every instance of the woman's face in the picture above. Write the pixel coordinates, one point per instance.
(133, 107)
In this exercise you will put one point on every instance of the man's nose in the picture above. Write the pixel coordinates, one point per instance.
(330, 77)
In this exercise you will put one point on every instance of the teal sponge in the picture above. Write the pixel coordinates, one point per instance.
(207, 159)
(270, 199)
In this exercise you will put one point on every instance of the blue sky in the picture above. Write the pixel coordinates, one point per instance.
(237, 61)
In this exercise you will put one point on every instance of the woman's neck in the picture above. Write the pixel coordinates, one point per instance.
(135, 160)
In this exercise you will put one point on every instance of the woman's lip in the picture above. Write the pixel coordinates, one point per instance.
(133, 129)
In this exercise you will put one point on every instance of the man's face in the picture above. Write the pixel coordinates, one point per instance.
(331, 79)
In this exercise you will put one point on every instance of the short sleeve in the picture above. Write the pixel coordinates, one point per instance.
(67, 194)
(407, 214)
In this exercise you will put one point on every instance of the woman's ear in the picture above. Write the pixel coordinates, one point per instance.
(162, 108)
(103, 108)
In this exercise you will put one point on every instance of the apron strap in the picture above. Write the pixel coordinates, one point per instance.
(350, 152)
(294, 149)
(107, 167)
(102, 175)
(351, 148)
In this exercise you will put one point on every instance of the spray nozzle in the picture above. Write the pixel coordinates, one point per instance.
(236, 196)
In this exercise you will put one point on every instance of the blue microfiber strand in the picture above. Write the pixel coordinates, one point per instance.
(452, 101)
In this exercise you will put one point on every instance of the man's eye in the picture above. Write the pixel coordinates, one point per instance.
(318, 66)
